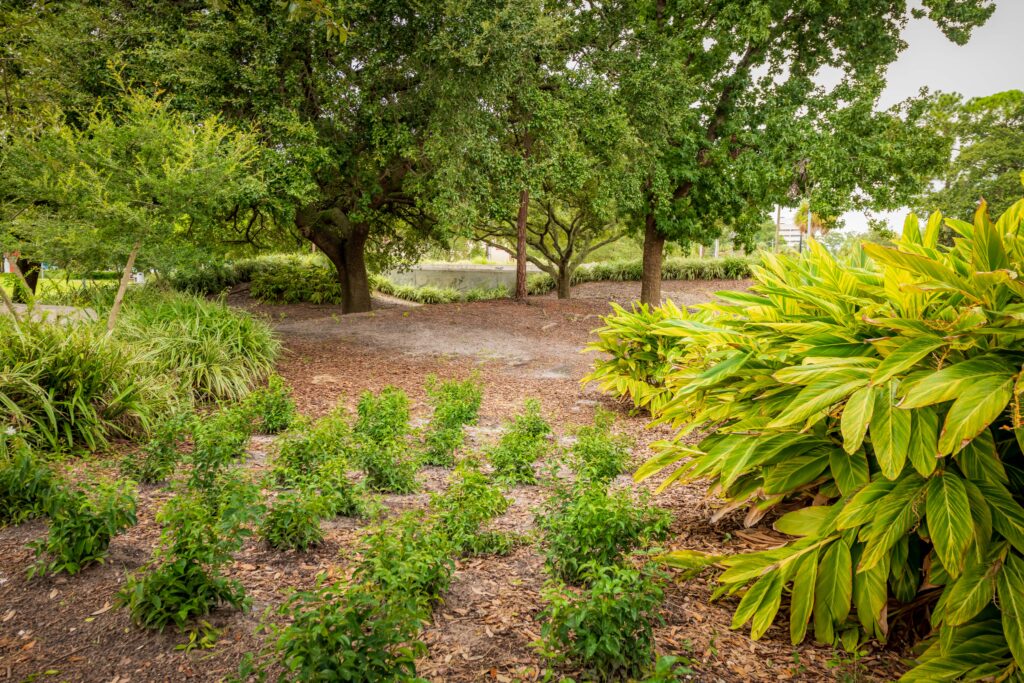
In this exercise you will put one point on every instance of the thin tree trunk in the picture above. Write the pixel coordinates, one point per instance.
(115, 310)
(524, 208)
(654, 248)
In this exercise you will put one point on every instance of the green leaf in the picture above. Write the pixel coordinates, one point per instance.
(822, 394)
(949, 383)
(1010, 587)
(890, 432)
(833, 589)
(1008, 515)
(856, 416)
(760, 603)
(895, 516)
(802, 600)
(849, 471)
(971, 593)
(806, 521)
(924, 440)
(949, 519)
(905, 357)
(861, 508)
(870, 595)
(977, 406)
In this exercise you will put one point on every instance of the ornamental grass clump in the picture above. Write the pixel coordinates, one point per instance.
(880, 397)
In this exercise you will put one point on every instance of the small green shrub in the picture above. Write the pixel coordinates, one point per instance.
(586, 524)
(296, 279)
(27, 485)
(272, 406)
(338, 495)
(523, 443)
(389, 468)
(608, 629)
(81, 526)
(156, 460)
(469, 503)
(184, 579)
(383, 418)
(306, 447)
(217, 442)
(344, 633)
(456, 404)
(598, 454)
(293, 522)
(407, 560)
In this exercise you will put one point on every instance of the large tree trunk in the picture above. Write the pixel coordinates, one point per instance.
(654, 248)
(344, 244)
(349, 258)
(564, 282)
(524, 209)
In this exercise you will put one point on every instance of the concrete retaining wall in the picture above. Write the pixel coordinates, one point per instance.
(462, 276)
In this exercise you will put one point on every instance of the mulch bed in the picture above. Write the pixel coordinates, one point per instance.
(67, 628)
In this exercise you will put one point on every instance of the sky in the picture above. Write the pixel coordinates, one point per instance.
(992, 61)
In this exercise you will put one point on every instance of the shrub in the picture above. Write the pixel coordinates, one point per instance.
(598, 454)
(156, 460)
(727, 268)
(456, 404)
(381, 419)
(523, 443)
(637, 359)
(213, 352)
(293, 522)
(586, 524)
(81, 526)
(72, 386)
(218, 441)
(339, 633)
(407, 560)
(389, 468)
(183, 580)
(338, 495)
(296, 279)
(26, 484)
(272, 406)
(608, 630)
(884, 394)
(302, 451)
(469, 503)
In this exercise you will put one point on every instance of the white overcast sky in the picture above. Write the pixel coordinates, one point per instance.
(991, 62)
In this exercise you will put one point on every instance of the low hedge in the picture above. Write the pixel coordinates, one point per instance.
(728, 268)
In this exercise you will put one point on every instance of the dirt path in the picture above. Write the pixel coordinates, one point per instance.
(483, 630)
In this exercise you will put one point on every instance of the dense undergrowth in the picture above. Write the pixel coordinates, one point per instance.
(295, 278)
(74, 386)
(875, 404)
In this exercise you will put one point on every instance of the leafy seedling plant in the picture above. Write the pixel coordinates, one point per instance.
(81, 526)
(184, 580)
(156, 461)
(523, 444)
(585, 524)
(456, 405)
(272, 406)
(470, 502)
(598, 454)
(607, 629)
(293, 522)
(27, 484)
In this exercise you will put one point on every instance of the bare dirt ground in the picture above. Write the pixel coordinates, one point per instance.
(67, 628)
